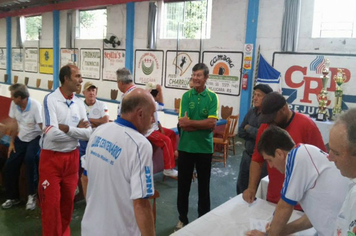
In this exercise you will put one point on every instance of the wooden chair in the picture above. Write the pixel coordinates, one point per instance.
(232, 128)
(153, 197)
(177, 103)
(226, 111)
(224, 141)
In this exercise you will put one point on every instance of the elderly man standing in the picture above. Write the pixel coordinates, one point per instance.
(342, 145)
(25, 117)
(125, 85)
(119, 168)
(248, 131)
(301, 128)
(65, 123)
(197, 119)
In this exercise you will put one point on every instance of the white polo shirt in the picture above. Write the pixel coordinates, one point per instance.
(27, 119)
(315, 182)
(346, 219)
(59, 110)
(119, 169)
(97, 110)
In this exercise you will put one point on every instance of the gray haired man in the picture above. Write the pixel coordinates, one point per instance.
(125, 85)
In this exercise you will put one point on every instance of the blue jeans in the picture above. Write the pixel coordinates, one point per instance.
(28, 152)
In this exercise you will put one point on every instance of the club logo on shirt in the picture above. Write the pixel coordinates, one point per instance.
(96, 111)
(191, 105)
(205, 111)
(75, 119)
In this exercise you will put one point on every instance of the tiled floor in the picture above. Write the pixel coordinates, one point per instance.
(18, 222)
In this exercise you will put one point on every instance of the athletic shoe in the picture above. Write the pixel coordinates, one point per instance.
(10, 202)
(31, 202)
(170, 172)
(179, 226)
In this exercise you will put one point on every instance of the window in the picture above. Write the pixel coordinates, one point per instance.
(189, 19)
(334, 19)
(33, 26)
(92, 24)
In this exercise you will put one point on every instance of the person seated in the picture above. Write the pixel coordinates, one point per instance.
(25, 125)
(310, 179)
(97, 113)
(162, 137)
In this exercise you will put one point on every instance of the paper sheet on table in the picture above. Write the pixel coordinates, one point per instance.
(258, 224)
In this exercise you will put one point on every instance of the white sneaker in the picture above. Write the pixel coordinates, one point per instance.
(170, 172)
(10, 202)
(179, 226)
(31, 202)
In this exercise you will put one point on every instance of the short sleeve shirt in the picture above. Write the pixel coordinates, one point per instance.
(315, 182)
(27, 119)
(97, 110)
(198, 106)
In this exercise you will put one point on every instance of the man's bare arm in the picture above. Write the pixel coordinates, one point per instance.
(144, 216)
(100, 121)
(255, 174)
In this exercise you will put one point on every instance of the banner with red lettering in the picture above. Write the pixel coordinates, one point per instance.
(302, 83)
(113, 60)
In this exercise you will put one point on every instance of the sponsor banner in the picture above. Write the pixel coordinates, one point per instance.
(148, 66)
(90, 63)
(46, 61)
(179, 68)
(69, 56)
(17, 59)
(2, 58)
(302, 83)
(225, 71)
(113, 60)
(31, 60)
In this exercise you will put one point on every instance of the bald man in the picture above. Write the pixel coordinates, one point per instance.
(119, 168)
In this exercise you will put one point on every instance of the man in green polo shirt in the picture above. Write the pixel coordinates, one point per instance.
(197, 118)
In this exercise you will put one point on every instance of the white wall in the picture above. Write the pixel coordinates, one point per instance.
(227, 34)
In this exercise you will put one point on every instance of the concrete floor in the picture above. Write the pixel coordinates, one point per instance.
(19, 222)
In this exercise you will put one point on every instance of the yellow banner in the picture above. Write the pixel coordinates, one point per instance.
(46, 61)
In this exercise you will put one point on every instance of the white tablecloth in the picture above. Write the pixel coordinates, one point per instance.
(262, 188)
(233, 218)
(324, 128)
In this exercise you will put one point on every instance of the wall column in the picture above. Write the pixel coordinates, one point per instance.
(251, 35)
(8, 49)
(130, 31)
(56, 46)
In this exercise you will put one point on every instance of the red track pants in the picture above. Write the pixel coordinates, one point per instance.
(168, 144)
(58, 180)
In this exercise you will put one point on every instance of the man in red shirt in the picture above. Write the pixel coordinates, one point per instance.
(301, 128)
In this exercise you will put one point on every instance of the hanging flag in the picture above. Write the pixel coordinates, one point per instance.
(266, 74)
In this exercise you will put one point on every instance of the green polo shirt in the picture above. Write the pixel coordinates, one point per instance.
(199, 106)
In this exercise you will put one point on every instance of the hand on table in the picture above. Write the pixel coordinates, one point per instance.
(249, 195)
